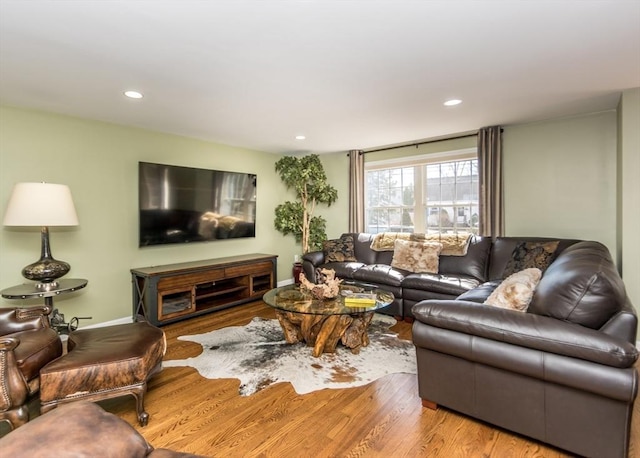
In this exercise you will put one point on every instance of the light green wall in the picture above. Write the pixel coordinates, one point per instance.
(560, 181)
(629, 191)
(560, 178)
(98, 161)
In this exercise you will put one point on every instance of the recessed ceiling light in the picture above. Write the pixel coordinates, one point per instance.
(300, 137)
(133, 94)
(452, 102)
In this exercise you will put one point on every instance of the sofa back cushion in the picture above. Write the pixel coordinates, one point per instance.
(504, 248)
(362, 247)
(473, 264)
(581, 286)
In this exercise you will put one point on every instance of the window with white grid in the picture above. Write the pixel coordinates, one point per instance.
(437, 193)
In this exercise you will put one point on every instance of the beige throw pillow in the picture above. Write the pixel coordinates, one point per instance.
(452, 244)
(418, 257)
(516, 291)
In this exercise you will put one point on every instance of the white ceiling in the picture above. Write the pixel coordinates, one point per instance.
(347, 74)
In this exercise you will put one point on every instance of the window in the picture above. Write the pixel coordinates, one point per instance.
(426, 194)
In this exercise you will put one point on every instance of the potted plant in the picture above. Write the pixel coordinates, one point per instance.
(306, 176)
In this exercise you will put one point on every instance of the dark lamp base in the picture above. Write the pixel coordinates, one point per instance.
(46, 270)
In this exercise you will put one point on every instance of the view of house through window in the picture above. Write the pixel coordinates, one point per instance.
(429, 194)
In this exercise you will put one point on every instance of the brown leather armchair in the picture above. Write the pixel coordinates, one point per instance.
(81, 430)
(27, 343)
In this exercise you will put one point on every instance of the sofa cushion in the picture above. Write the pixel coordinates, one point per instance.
(344, 269)
(528, 255)
(443, 284)
(379, 274)
(480, 293)
(339, 250)
(582, 286)
(516, 291)
(417, 257)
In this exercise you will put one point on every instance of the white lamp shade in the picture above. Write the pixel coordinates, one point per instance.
(40, 204)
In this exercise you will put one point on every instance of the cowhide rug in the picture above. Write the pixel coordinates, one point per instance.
(258, 355)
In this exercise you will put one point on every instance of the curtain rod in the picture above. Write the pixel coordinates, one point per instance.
(421, 143)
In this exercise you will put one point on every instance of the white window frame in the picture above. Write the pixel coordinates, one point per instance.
(420, 199)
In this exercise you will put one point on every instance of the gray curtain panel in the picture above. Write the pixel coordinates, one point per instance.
(491, 222)
(356, 191)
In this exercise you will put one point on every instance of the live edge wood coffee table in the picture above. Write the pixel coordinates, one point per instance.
(322, 323)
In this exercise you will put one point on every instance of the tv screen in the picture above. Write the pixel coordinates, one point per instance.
(184, 204)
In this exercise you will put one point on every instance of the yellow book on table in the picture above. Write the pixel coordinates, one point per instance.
(360, 300)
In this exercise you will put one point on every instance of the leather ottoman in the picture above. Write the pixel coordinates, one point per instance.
(104, 363)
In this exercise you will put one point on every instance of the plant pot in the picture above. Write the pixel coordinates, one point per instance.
(296, 271)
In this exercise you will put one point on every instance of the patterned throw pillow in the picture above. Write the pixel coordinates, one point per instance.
(527, 255)
(516, 291)
(417, 257)
(339, 250)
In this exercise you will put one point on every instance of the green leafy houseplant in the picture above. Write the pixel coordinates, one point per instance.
(306, 176)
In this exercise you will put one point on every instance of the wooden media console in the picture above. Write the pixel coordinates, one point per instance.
(168, 293)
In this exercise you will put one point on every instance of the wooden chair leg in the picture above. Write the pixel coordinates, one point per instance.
(429, 404)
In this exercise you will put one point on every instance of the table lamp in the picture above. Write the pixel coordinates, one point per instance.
(44, 205)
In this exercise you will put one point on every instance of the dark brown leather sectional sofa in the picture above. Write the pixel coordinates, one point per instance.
(484, 262)
(562, 372)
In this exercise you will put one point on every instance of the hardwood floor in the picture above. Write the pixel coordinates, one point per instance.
(383, 419)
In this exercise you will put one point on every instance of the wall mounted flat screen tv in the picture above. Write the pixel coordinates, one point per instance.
(184, 204)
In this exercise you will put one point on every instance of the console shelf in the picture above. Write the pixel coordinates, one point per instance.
(174, 292)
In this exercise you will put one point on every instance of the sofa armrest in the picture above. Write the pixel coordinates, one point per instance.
(310, 261)
(526, 330)
(316, 258)
(623, 324)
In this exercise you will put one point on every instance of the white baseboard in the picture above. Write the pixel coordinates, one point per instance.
(288, 281)
(124, 320)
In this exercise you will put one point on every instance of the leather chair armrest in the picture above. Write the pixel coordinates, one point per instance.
(13, 389)
(16, 319)
(8, 344)
(28, 313)
(526, 330)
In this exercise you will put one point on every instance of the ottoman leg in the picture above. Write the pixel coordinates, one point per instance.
(139, 392)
